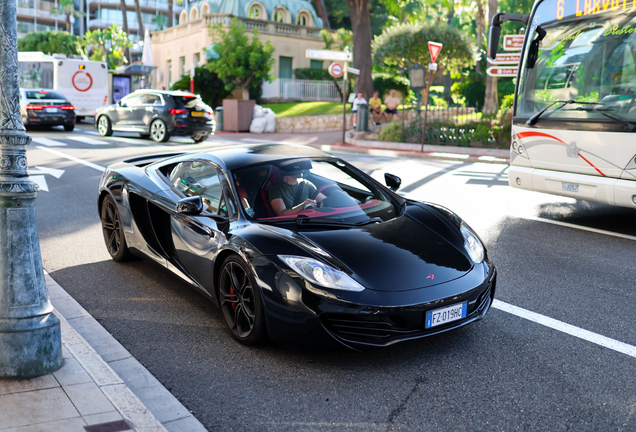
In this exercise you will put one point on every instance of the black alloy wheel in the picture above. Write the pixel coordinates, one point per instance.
(240, 302)
(69, 128)
(113, 232)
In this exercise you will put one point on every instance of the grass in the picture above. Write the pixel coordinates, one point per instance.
(295, 109)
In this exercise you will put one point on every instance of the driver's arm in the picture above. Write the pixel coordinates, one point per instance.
(279, 207)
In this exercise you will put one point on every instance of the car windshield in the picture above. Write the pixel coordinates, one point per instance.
(346, 196)
(43, 95)
(585, 59)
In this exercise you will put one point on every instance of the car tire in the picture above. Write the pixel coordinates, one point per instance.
(104, 126)
(69, 128)
(159, 131)
(240, 302)
(200, 138)
(113, 231)
(144, 135)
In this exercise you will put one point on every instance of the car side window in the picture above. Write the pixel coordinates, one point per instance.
(148, 99)
(199, 178)
(130, 100)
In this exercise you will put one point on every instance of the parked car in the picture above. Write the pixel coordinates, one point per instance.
(360, 266)
(46, 107)
(157, 115)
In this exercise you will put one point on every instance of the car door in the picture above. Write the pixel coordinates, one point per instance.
(123, 116)
(198, 238)
(146, 110)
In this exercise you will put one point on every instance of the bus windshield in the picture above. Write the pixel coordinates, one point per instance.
(587, 56)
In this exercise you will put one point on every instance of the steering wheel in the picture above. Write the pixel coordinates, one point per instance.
(326, 187)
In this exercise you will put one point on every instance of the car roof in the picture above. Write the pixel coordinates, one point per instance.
(165, 92)
(236, 156)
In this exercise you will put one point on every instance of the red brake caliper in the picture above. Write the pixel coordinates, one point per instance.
(232, 292)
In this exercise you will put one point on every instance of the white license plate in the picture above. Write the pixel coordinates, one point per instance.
(570, 187)
(51, 110)
(446, 314)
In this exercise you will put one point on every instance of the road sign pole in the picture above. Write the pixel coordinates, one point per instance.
(30, 339)
(344, 103)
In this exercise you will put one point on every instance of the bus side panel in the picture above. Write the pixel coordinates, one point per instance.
(86, 89)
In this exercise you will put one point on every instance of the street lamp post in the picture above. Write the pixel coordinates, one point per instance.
(30, 340)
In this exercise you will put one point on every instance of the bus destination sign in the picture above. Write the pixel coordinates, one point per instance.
(590, 7)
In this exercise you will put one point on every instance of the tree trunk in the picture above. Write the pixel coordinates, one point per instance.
(322, 13)
(448, 83)
(479, 19)
(124, 13)
(490, 100)
(170, 13)
(68, 24)
(140, 23)
(361, 26)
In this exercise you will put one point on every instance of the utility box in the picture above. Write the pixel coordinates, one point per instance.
(362, 122)
(218, 118)
(237, 114)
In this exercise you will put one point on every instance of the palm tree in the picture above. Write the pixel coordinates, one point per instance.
(67, 8)
(140, 23)
(124, 13)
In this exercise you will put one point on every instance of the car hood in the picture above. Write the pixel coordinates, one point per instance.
(398, 255)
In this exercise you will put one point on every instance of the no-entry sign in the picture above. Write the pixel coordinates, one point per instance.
(336, 70)
(434, 48)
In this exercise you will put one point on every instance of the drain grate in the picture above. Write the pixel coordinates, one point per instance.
(115, 426)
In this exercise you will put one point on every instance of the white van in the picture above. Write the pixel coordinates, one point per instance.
(83, 82)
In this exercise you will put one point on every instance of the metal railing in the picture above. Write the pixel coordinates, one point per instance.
(302, 90)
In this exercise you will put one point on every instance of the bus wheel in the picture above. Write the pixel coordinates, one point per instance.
(104, 127)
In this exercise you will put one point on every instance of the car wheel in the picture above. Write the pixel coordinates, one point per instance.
(240, 302)
(104, 127)
(159, 131)
(69, 128)
(200, 138)
(144, 136)
(113, 231)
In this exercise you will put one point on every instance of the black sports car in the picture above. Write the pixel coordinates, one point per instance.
(298, 246)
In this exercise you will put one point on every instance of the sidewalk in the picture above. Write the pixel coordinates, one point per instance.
(100, 387)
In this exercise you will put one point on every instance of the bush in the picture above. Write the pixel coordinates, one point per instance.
(391, 133)
(384, 82)
(207, 84)
(506, 103)
(312, 74)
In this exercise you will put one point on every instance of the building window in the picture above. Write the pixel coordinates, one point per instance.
(169, 69)
(197, 58)
(182, 66)
(279, 16)
(302, 20)
(285, 67)
(315, 64)
(255, 12)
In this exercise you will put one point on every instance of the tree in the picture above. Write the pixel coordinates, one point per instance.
(322, 12)
(50, 42)
(160, 22)
(206, 83)
(67, 8)
(106, 45)
(124, 13)
(241, 61)
(361, 27)
(490, 100)
(140, 23)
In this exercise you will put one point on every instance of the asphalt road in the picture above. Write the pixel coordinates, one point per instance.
(572, 262)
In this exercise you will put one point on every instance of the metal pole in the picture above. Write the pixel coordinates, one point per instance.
(344, 102)
(428, 86)
(30, 340)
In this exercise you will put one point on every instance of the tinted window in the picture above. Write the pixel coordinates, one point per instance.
(131, 99)
(202, 179)
(149, 99)
(44, 95)
(184, 102)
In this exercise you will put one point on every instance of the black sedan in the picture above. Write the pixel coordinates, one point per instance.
(46, 107)
(157, 115)
(298, 246)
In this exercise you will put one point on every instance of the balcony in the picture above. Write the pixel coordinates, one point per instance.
(132, 25)
(153, 5)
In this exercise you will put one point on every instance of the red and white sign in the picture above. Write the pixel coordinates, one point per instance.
(513, 42)
(82, 81)
(434, 48)
(336, 70)
(505, 59)
(498, 71)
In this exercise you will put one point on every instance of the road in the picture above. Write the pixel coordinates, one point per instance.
(557, 352)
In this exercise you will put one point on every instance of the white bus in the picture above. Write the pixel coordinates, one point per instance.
(574, 122)
(83, 82)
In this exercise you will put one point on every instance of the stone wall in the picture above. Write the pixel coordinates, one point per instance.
(313, 123)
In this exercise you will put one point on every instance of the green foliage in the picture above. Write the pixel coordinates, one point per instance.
(106, 45)
(383, 83)
(206, 83)
(160, 21)
(312, 74)
(50, 42)
(241, 61)
(482, 134)
(506, 103)
(294, 109)
(404, 45)
(391, 132)
(471, 90)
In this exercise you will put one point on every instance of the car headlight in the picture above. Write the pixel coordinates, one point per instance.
(472, 244)
(321, 274)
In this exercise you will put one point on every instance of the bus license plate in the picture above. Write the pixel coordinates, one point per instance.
(198, 114)
(570, 187)
(446, 314)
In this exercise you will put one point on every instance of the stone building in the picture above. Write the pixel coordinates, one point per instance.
(291, 26)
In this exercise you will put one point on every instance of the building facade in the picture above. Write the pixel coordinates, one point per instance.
(37, 16)
(291, 26)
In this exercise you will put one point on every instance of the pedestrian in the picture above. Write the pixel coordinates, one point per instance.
(357, 101)
(375, 106)
(392, 103)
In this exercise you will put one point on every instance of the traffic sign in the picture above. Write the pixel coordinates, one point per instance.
(500, 71)
(328, 55)
(434, 48)
(336, 70)
(513, 42)
(505, 59)
(353, 70)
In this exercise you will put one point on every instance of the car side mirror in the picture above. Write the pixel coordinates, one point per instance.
(122, 104)
(191, 206)
(392, 181)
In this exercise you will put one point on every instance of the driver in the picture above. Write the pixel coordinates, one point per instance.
(292, 193)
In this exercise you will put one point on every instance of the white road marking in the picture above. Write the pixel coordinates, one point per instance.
(48, 142)
(74, 159)
(41, 181)
(579, 227)
(92, 132)
(130, 140)
(580, 333)
(57, 173)
(87, 140)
